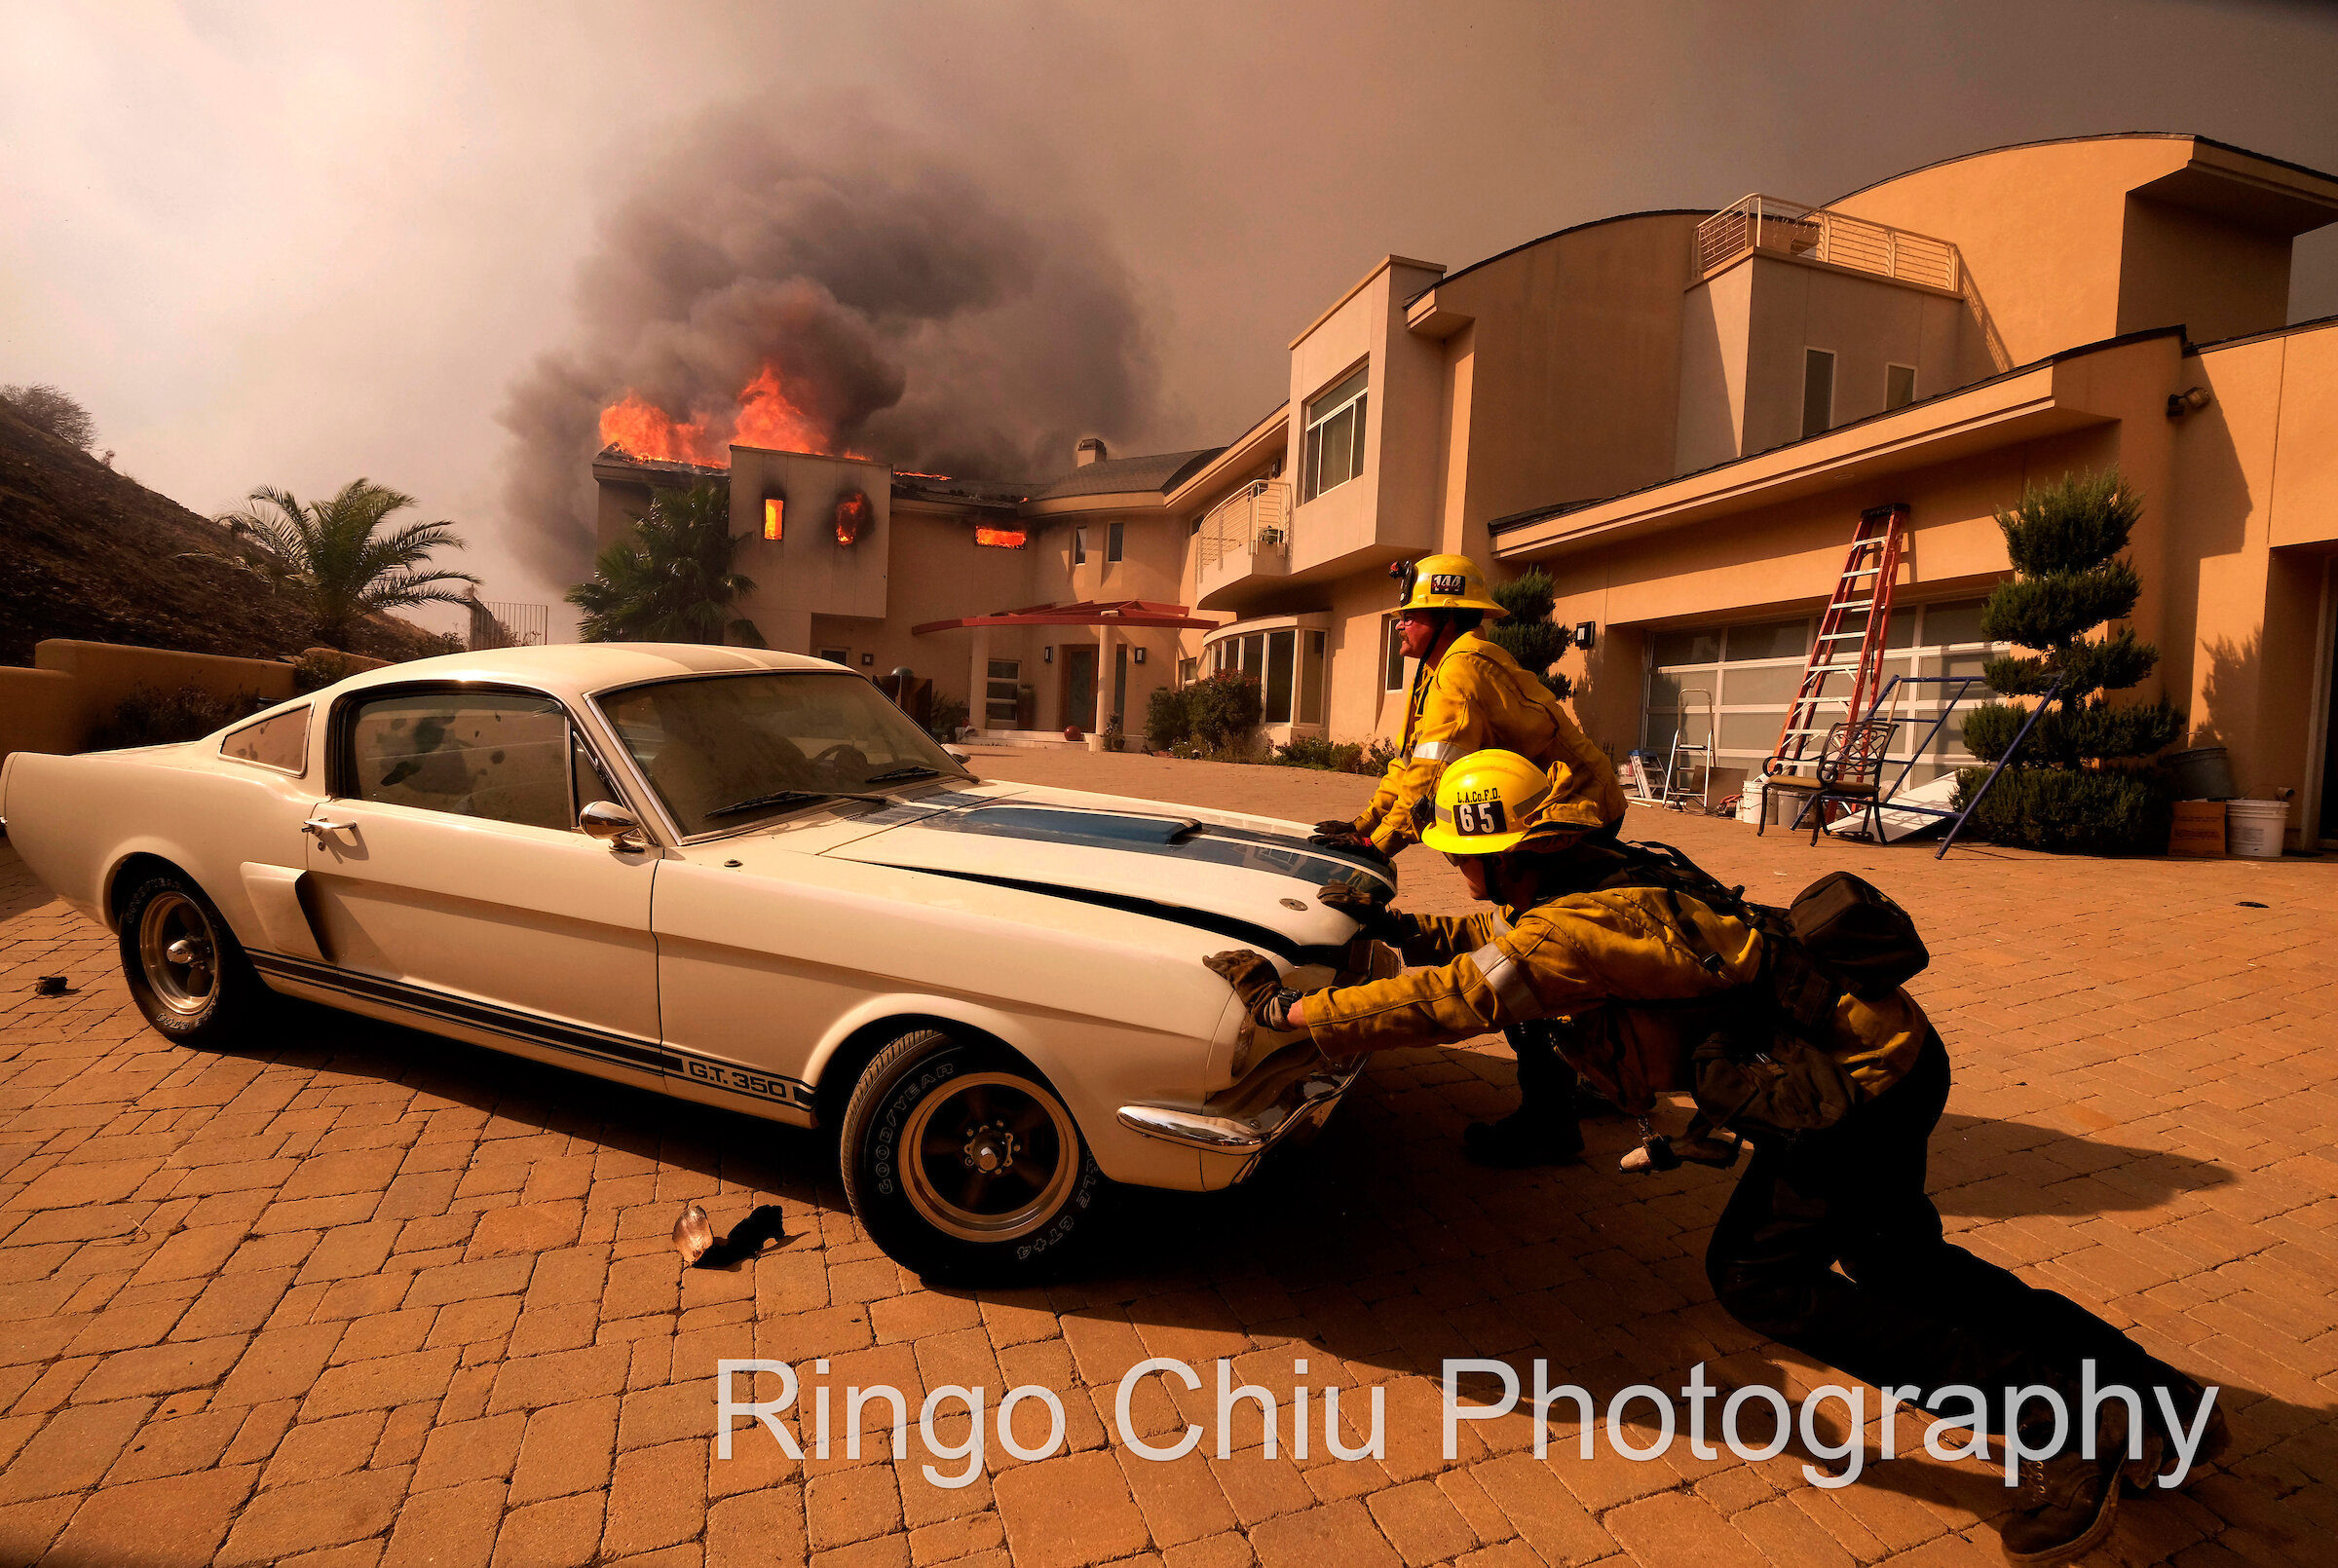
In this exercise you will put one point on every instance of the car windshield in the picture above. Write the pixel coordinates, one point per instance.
(728, 751)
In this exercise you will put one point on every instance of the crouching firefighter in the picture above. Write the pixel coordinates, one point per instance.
(1791, 1027)
(1469, 695)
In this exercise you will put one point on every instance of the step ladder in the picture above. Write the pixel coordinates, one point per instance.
(1851, 638)
(1690, 758)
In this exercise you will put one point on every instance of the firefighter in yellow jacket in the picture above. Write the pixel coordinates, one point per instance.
(1640, 973)
(1469, 694)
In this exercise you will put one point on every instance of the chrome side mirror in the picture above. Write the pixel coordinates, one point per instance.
(614, 825)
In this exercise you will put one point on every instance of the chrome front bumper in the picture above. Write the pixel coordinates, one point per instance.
(1277, 1101)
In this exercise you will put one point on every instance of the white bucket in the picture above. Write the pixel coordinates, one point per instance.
(1748, 800)
(2254, 829)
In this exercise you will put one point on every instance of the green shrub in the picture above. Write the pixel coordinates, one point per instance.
(1168, 717)
(2057, 793)
(151, 718)
(2087, 812)
(1223, 711)
(1345, 756)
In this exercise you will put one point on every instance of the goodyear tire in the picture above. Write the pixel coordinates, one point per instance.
(964, 1163)
(186, 971)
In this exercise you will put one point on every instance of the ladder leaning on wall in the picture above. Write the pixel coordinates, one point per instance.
(1852, 633)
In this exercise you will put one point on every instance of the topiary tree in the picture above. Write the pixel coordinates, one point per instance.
(1529, 634)
(2075, 785)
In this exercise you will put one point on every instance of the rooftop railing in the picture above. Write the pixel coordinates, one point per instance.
(1815, 234)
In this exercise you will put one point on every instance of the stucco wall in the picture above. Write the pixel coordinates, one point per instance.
(73, 687)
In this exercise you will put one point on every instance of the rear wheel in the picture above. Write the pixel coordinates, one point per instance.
(964, 1163)
(186, 971)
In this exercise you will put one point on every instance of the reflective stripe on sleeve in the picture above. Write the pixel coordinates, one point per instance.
(1432, 751)
(1513, 998)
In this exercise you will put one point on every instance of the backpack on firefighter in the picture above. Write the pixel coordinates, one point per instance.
(1773, 1072)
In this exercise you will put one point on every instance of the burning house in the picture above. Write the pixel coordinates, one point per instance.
(1040, 606)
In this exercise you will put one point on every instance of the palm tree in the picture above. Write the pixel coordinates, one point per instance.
(333, 558)
(671, 581)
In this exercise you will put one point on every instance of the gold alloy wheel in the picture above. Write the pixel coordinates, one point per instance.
(989, 1157)
(179, 952)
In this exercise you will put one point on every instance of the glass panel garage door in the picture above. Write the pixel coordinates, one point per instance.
(1752, 670)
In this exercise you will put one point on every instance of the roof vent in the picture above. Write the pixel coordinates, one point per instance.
(1090, 450)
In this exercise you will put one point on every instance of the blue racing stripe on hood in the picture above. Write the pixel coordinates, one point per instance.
(1179, 838)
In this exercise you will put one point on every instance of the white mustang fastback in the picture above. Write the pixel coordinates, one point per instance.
(738, 878)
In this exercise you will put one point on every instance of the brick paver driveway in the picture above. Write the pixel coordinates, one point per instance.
(354, 1295)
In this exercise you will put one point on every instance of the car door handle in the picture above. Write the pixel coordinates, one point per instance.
(319, 827)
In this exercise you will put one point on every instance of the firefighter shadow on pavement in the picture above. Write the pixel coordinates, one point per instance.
(1379, 1251)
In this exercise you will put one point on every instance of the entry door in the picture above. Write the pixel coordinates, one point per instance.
(1079, 688)
(449, 877)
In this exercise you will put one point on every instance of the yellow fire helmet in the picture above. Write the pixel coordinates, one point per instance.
(1444, 582)
(1486, 803)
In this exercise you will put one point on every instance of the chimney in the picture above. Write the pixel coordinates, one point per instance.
(1090, 450)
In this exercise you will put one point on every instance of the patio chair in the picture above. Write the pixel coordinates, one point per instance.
(1850, 769)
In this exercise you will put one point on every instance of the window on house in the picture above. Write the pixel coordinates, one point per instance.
(1899, 385)
(1817, 390)
(1392, 644)
(999, 705)
(1000, 539)
(1079, 546)
(837, 656)
(774, 515)
(1112, 541)
(1334, 449)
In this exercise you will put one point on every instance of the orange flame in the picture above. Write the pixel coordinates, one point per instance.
(765, 416)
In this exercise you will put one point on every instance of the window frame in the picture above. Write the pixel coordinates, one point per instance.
(1080, 545)
(307, 713)
(840, 657)
(1811, 354)
(1392, 656)
(339, 764)
(1013, 681)
(1319, 412)
(1114, 540)
(1890, 365)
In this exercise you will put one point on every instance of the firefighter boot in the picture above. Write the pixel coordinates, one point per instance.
(1542, 1131)
(2067, 1500)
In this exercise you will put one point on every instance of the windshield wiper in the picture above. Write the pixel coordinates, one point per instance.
(896, 774)
(755, 802)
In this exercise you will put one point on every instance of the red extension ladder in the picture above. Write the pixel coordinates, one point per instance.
(1859, 613)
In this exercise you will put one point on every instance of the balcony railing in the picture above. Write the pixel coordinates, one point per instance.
(1813, 232)
(1255, 518)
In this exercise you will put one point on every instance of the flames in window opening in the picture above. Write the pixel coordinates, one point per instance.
(852, 514)
(774, 515)
(1003, 539)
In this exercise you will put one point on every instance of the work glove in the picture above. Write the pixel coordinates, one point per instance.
(1255, 980)
(1336, 827)
(1368, 906)
(1347, 840)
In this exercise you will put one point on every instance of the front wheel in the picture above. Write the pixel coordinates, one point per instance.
(186, 971)
(963, 1164)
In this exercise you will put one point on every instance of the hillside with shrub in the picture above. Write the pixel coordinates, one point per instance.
(95, 555)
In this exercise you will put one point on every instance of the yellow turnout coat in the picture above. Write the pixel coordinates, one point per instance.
(1475, 698)
(1589, 957)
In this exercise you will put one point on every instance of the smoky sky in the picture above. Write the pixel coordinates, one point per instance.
(912, 313)
(268, 241)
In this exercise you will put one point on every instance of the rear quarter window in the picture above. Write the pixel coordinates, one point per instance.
(280, 741)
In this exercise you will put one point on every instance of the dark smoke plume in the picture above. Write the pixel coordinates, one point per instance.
(912, 316)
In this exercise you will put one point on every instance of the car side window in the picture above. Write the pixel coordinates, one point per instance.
(278, 742)
(591, 783)
(503, 755)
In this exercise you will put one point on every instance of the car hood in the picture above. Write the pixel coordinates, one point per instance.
(1252, 880)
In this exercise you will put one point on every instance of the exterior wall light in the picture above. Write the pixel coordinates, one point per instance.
(1585, 633)
(868, 659)
(1138, 656)
(1048, 654)
(2186, 402)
